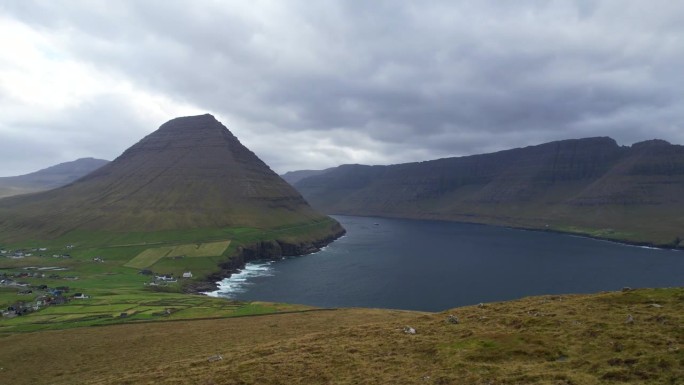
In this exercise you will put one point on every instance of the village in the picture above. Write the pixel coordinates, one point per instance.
(33, 252)
(36, 295)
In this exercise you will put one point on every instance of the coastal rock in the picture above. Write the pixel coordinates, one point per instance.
(273, 249)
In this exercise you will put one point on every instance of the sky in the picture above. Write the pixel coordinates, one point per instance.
(315, 84)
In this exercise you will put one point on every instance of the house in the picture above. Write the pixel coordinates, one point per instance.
(42, 249)
(187, 274)
(69, 247)
(165, 278)
(81, 296)
(98, 259)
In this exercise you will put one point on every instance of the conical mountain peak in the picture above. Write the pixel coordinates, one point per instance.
(190, 173)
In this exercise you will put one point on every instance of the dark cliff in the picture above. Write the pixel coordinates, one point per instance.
(589, 185)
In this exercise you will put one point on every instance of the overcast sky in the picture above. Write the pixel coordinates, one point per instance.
(313, 84)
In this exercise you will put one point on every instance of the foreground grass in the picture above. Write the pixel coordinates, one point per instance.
(574, 339)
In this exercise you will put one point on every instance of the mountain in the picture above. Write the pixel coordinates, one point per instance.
(590, 186)
(191, 173)
(49, 178)
(292, 177)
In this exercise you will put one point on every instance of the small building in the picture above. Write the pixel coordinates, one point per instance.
(187, 274)
(81, 296)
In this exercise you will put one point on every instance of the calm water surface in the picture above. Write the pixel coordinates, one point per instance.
(432, 266)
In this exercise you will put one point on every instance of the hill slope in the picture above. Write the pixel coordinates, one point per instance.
(571, 339)
(49, 178)
(191, 173)
(591, 186)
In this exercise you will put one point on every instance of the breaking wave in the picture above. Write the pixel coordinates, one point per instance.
(239, 282)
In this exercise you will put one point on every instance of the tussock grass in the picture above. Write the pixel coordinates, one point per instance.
(573, 339)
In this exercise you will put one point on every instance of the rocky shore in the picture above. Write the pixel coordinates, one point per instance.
(270, 249)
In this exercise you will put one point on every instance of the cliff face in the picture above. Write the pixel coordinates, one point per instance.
(190, 173)
(591, 184)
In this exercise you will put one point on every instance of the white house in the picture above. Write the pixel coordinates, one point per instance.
(187, 274)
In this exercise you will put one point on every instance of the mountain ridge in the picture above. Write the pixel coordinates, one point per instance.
(50, 177)
(591, 185)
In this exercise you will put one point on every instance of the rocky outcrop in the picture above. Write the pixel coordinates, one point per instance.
(269, 250)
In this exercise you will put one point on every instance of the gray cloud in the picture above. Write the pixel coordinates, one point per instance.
(387, 81)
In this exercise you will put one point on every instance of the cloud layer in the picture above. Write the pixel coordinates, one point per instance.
(315, 84)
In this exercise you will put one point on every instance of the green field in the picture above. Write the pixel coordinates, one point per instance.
(106, 268)
(151, 256)
(211, 249)
(109, 309)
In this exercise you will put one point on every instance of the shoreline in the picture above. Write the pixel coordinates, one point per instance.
(263, 250)
(524, 228)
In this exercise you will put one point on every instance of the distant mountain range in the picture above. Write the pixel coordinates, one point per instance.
(191, 173)
(292, 177)
(49, 178)
(590, 186)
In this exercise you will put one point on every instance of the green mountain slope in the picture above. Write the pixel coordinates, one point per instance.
(590, 186)
(48, 178)
(191, 173)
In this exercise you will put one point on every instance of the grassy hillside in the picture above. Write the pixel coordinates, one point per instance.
(588, 186)
(192, 173)
(572, 339)
(107, 267)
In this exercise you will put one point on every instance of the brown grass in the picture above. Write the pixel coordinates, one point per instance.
(540, 340)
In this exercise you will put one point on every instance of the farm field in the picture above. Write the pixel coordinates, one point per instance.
(108, 272)
(151, 256)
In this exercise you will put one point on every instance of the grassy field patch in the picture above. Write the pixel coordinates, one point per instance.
(211, 249)
(148, 257)
(151, 256)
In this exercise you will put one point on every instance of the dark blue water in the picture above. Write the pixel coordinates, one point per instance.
(431, 265)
